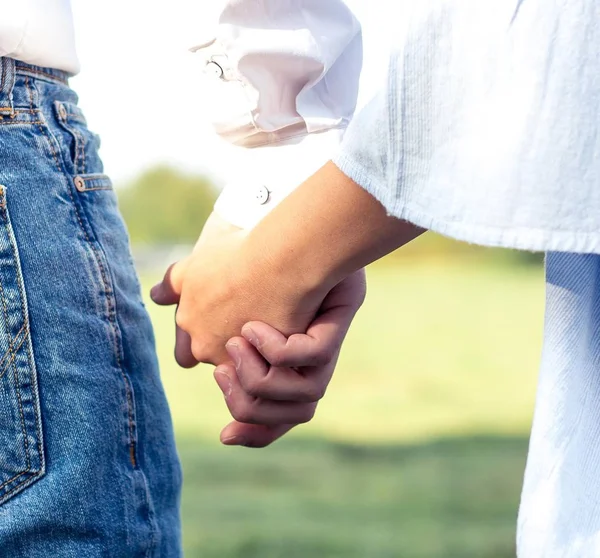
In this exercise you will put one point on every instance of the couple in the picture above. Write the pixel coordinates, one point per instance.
(485, 131)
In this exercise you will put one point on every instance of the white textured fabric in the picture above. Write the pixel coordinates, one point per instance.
(560, 505)
(487, 130)
(282, 81)
(39, 32)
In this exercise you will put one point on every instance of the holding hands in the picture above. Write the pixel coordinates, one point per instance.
(300, 272)
(272, 376)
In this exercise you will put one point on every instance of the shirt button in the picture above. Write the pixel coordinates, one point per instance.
(62, 112)
(212, 68)
(263, 195)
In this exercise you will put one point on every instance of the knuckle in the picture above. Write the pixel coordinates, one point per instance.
(314, 392)
(181, 319)
(252, 385)
(201, 350)
(306, 414)
(243, 413)
(277, 358)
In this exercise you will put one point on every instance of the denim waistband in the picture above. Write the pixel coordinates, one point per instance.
(10, 68)
(48, 74)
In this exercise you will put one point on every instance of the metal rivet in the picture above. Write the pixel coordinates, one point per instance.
(79, 183)
(263, 195)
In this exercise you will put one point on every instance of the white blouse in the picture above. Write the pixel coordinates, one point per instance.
(282, 84)
(39, 32)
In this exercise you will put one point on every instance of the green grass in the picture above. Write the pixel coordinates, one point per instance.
(417, 450)
(451, 499)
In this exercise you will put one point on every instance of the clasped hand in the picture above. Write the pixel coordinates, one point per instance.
(274, 345)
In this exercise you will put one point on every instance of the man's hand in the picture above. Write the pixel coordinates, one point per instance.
(276, 382)
(220, 287)
(218, 239)
(266, 398)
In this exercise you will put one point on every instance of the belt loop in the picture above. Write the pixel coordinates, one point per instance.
(7, 84)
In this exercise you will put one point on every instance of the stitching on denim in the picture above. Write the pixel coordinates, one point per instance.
(12, 361)
(30, 360)
(27, 472)
(107, 291)
(3, 79)
(79, 147)
(82, 147)
(12, 351)
(41, 124)
(98, 188)
(151, 520)
(21, 70)
(11, 347)
(28, 458)
(74, 116)
(13, 123)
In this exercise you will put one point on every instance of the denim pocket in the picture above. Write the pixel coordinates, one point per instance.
(100, 204)
(21, 440)
(81, 144)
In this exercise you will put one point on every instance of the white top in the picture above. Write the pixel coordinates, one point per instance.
(39, 32)
(283, 98)
(282, 79)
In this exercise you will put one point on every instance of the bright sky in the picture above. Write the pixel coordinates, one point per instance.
(141, 89)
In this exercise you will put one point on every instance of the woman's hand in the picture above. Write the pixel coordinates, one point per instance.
(275, 382)
(220, 287)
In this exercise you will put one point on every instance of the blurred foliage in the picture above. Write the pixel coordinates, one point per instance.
(165, 206)
(454, 498)
(441, 248)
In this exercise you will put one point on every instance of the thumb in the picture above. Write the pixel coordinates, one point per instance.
(252, 435)
(168, 291)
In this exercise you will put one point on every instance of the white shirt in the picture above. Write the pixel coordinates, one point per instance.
(282, 99)
(39, 32)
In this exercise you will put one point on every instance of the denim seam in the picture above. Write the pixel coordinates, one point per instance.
(12, 349)
(4, 210)
(25, 71)
(13, 123)
(108, 292)
(27, 336)
(27, 471)
(150, 519)
(98, 188)
(9, 347)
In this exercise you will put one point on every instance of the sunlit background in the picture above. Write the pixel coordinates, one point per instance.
(418, 449)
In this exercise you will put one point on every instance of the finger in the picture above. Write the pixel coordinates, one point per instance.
(252, 435)
(168, 291)
(319, 346)
(251, 410)
(183, 349)
(259, 379)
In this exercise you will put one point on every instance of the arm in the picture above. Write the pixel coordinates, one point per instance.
(281, 272)
(283, 77)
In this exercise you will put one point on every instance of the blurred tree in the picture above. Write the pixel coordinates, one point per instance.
(165, 206)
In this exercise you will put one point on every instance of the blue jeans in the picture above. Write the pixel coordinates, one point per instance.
(88, 465)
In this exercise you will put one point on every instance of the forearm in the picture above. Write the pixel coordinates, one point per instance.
(325, 230)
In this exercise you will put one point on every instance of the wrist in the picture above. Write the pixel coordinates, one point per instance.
(323, 232)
